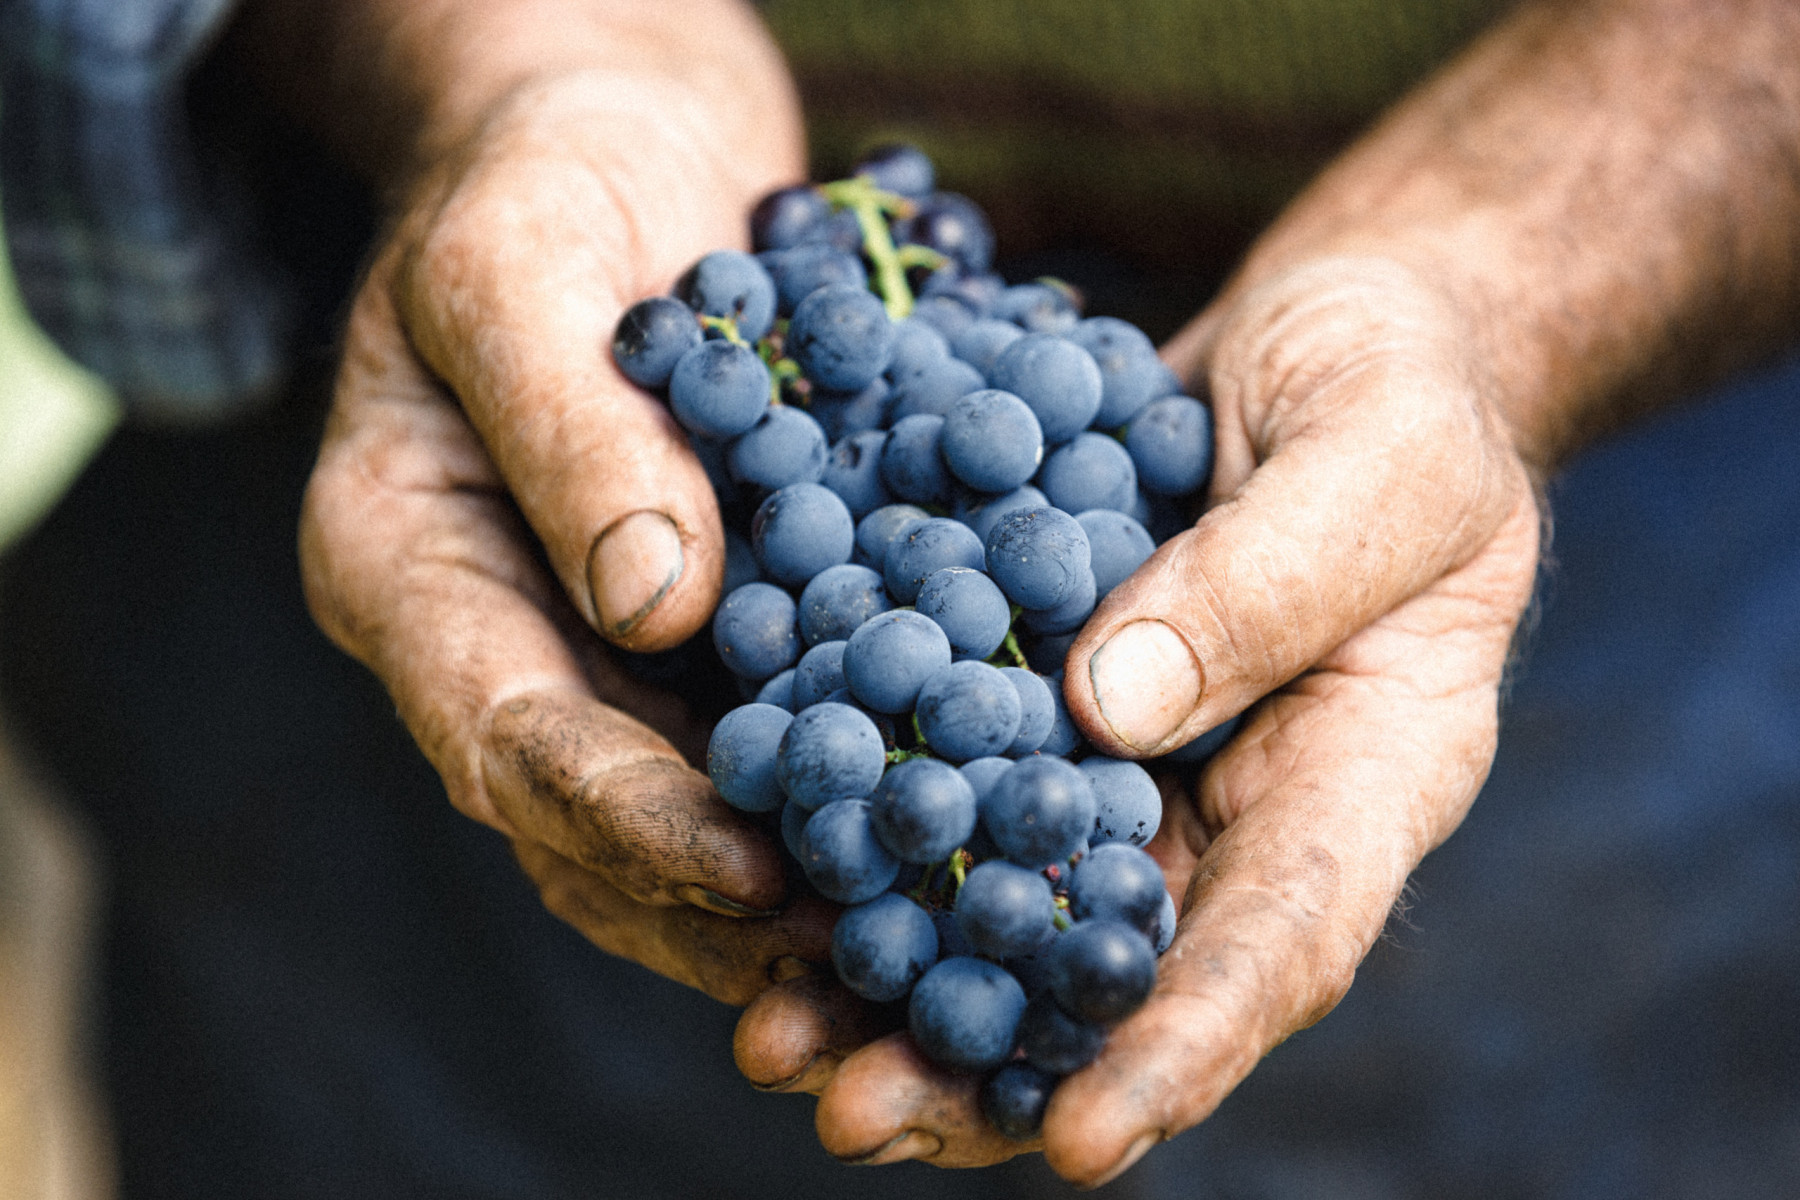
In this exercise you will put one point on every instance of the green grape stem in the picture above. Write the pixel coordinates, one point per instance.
(726, 326)
(872, 206)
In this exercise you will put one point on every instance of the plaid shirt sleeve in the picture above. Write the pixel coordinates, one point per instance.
(127, 251)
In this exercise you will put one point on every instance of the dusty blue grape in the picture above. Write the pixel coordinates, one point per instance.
(1004, 909)
(968, 710)
(951, 942)
(1171, 441)
(1054, 1041)
(877, 531)
(978, 291)
(803, 270)
(1111, 337)
(916, 343)
(853, 471)
(1045, 655)
(981, 344)
(1037, 308)
(1127, 805)
(740, 563)
(841, 414)
(898, 168)
(953, 225)
(1165, 925)
(830, 752)
(740, 757)
(800, 531)
(1102, 971)
(912, 466)
(1065, 739)
(933, 387)
(778, 691)
(651, 338)
(842, 858)
(754, 631)
(945, 314)
(964, 1013)
(841, 337)
(793, 828)
(1118, 544)
(923, 810)
(883, 946)
(926, 548)
(733, 285)
(981, 513)
(719, 389)
(891, 656)
(1039, 812)
(787, 217)
(983, 773)
(1057, 378)
(1037, 710)
(784, 446)
(1068, 616)
(884, 724)
(991, 441)
(819, 673)
(1038, 556)
(1117, 881)
(1130, 385)
(1206, 745)
(838, 600)
(968, 607)
(1090, 471)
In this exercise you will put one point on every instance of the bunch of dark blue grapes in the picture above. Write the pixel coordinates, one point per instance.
(930, 479)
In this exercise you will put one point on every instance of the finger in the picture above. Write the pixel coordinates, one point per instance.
(1347, 482)
(793, 1038)
(887, 1104)
(729, 959)
(1327, 799)
(512, 298)
(415, 562)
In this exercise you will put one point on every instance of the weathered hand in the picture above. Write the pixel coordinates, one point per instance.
(1369, 549)
(491, 491)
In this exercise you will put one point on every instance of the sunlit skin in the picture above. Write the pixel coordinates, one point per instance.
(1590, 211)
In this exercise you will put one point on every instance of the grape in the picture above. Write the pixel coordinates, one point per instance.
(1033, 970)
(800, 531)
(1056, 377)
(1064, 737)
(838, 600)
(1068, 616)
(891, 656)
(784, 446)
(976, 291)
(951, 942)
(969, 608)
(1119, 546)
(1038, 556)
(1119, 882)
(877, 531)
(981, 513)
(754, 631)
(1039, 812)
(740, 758)
(1112, 338)
(1165, 924)
(911, 465)
(778, 691)
(964, 1012)
(1130, 385)
(1037, 307)
(923, 810)
(740, 563)
(853, 471)
(944, 314)
(1003, 909)
(991, 441)
(1037, 710)
(955, 226)
(982, 774)
(1054, 1041)
(842, 858)
(1091, 471)
(898, 168)
(882, 946)
(819, 673)
(1127, 804)
(651, 338)
(1046, 654)
(841, 414)
(981, 343)
(805, 269)
(830, 752)
(968, 710)
(929, 547)
(785, 218)
(719, 389)
(1102, 970)
(841, 337)
(1170, 441)
(933, 387)
(884, 724)
(733, 285)
(793, 828)
(916, 343)
(1015, 1098)
(1207, 744)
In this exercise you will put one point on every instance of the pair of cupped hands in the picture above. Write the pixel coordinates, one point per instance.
(494, 503)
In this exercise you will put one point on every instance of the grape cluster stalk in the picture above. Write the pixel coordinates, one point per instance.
(930, 480)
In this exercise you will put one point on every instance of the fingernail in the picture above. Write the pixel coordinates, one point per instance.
(1134, 1152)
(914, 1143)
(632, 567)
(797, 1078)
(699, 897)
(1146, 682)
